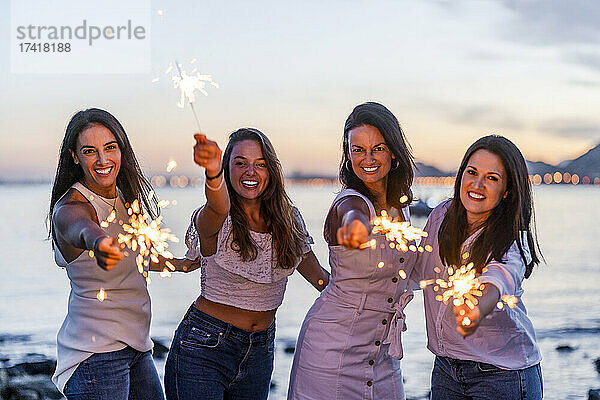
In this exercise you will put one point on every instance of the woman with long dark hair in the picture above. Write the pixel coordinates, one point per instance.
(488, 351)
(249, 239)
(103, 344)
(349, 345)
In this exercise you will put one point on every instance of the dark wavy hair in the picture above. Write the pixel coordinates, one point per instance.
(400, 177)
(276, 208)
(511, 216)
(130, 180)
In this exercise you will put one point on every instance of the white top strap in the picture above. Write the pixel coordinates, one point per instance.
(352, 192)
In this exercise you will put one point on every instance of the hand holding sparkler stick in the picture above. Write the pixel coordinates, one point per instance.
(468, 317)
(354, 233)
(207, 154)
(107, 252)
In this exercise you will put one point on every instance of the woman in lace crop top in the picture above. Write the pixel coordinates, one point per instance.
(248, 238)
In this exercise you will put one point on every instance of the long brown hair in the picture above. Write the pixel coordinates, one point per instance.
(276, 208)
(401, 176)
(513, 214)
(130, 180)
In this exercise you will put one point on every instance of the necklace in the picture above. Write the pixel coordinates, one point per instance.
(114, 205)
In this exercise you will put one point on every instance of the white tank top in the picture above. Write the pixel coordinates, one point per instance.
(92, 326)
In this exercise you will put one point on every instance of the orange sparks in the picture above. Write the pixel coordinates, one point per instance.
(400, 232)
(149, 237)
(462, 286)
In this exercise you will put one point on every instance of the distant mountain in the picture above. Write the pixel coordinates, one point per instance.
(587, 164)
(428, 170)
(541, 168)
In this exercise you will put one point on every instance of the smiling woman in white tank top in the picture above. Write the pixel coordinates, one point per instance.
(103, 346)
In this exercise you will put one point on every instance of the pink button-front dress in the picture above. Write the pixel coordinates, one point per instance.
(349, 345)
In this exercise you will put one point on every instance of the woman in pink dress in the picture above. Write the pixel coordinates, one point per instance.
(349, 345)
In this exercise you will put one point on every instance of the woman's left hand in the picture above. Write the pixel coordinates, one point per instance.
(467, 319)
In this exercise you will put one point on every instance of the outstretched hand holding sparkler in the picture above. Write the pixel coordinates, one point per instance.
(207, 154)
(353, 235)
(468, 318)
(107, 252)
(354, 229)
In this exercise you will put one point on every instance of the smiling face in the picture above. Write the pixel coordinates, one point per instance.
(99, 156)
(248, 170)
(371, 158)
(483, 186)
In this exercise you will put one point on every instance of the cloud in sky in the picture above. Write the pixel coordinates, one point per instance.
(571, 128)
(571, 27)
(450, 71)
(489, 116)
(554, 22)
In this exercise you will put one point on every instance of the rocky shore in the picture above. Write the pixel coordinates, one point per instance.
(28, 376)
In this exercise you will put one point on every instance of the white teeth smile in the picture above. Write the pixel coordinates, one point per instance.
(103, 171)
(251, 184)
(476, 195)
(370, 169)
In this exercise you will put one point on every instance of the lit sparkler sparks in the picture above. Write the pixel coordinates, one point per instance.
(171, 165)
(101, 296)
(188, 84)
(161, 13)
(463, 287)
(111, 218)
(146, 235)
(400, 233)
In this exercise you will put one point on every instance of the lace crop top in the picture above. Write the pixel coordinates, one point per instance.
(256, 285)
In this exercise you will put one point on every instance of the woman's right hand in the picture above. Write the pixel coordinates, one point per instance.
(353, 235)
(207, 154)
(108, 252)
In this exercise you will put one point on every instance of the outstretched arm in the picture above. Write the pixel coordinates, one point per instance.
(74, 224)
(353, 222)
(210, 218)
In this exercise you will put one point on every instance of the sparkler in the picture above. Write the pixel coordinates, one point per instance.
(188, 85)
(463, 287)
(146, 235)
(399, 233)
(171, 165)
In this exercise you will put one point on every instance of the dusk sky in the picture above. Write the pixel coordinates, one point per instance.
(451, 71)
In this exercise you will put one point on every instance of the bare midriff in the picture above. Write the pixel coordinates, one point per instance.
(244, 319)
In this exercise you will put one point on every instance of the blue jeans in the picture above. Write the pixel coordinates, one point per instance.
(469, 380)
(125, 374)
(213, 360)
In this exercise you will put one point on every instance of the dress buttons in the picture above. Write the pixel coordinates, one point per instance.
(377, 343)
(384, 322)
(401, 259)
(390, 300)
(394, 279)
(371, 362)
(369, 383)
